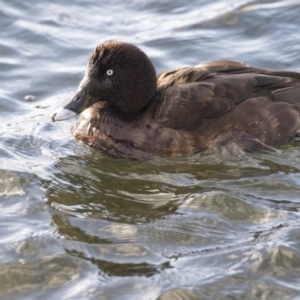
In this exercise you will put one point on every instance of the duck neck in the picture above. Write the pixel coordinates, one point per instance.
(138, 109)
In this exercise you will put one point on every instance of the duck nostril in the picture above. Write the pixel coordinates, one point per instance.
(53, 117)
(77, 98)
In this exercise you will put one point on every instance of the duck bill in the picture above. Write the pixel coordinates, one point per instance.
(79, 102)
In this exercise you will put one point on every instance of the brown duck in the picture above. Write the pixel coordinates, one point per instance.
(129, 111)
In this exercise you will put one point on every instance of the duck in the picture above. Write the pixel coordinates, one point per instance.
(127, 110)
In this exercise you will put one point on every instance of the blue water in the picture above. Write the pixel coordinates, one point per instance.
(76, 224)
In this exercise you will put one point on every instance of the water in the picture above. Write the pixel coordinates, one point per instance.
(76, 224)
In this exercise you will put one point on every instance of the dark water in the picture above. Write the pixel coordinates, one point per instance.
(76, 224)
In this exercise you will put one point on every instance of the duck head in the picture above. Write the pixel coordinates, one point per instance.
(117, 73)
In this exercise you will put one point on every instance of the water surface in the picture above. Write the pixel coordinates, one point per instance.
(76, 224)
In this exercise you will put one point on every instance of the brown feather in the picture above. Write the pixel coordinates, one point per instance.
(212, 107)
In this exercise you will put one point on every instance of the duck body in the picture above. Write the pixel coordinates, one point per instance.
(129, 111)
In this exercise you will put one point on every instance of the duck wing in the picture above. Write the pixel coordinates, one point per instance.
(191, 99)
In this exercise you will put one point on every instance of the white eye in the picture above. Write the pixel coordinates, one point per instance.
(109, 72)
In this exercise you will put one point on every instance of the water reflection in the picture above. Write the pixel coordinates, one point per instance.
(166, 216)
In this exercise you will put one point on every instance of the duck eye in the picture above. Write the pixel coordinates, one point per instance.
(109, 72)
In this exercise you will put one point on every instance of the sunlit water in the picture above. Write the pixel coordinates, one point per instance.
(76, 224)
